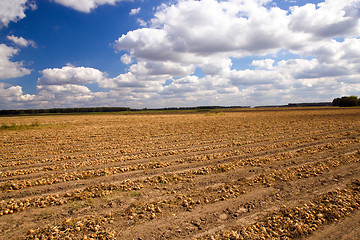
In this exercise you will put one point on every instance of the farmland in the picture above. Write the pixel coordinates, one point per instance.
(251, 174)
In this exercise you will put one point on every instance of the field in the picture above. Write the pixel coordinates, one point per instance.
(245, 174)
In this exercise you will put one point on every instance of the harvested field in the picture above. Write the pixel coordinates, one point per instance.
(246, 174)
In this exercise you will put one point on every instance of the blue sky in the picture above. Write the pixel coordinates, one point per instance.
(143, 53)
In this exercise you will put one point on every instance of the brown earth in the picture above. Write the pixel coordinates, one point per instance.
(246, 174)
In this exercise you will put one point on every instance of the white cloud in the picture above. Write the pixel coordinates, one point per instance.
(148, 76)
(13, 95)
(67, 95)
(66, 86)
(135, 11)
(205, 28)
(141, 22)
(85, 6)
(32, 4)
(21, 41)
(14, 10)
(312, 69)
(126, 58)
(67, 90)
(263, 64)
(292, 80)
(9, 69)
(211, 34)
(161, 69)
(254, 77)
(298, 57)
(329, 19)
(333, 59)
(334, 52)
(215, 65)
(70, 75)
(190, 31)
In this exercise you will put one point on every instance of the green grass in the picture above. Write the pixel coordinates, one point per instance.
(76, 205)
(135, 194)
(214, 113)
(19, 126)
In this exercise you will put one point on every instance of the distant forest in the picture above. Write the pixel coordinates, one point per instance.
(340, 102)
(63, 110)
(104, 109)
(351, 101)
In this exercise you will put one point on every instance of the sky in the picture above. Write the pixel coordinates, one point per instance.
(177, 53)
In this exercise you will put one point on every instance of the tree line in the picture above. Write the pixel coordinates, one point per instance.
(351, 101)
(63, 110)
(340, 102)
(104, 109)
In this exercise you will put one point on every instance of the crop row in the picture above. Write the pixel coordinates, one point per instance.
(284, 223)
(233, 190)
(210, 195)
(134, 151)
(58, 178)
(53, 179)
(299, 221)
(90, 227)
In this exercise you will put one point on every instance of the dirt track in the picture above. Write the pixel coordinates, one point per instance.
(276, 174)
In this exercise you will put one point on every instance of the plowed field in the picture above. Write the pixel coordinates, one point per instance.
(247, 174)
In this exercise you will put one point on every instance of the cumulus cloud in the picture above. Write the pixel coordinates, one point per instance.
(70, 75)
(237, 28)
(148, 75)
(334, 52)
(20, 41)
(327, 19)
(135, 11)
(210, 34)
(263, 64)
(215, 65)
(204, 28)
(67, 90)
(67, 95)
(85, 6)
(126, 58)
(14, 10)
(68, 86)
(253, 77)
(271, 82)
(141, 22)
(333, 59)
(312, 69)
(161, 68)
(189, 52)
(9, 69)
(13, 95)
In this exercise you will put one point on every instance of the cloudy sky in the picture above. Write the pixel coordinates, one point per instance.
(177, 53)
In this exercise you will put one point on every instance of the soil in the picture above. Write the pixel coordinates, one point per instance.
(207, 175)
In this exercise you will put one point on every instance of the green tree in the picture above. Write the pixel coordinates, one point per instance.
(336, 102)
(351, 101)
